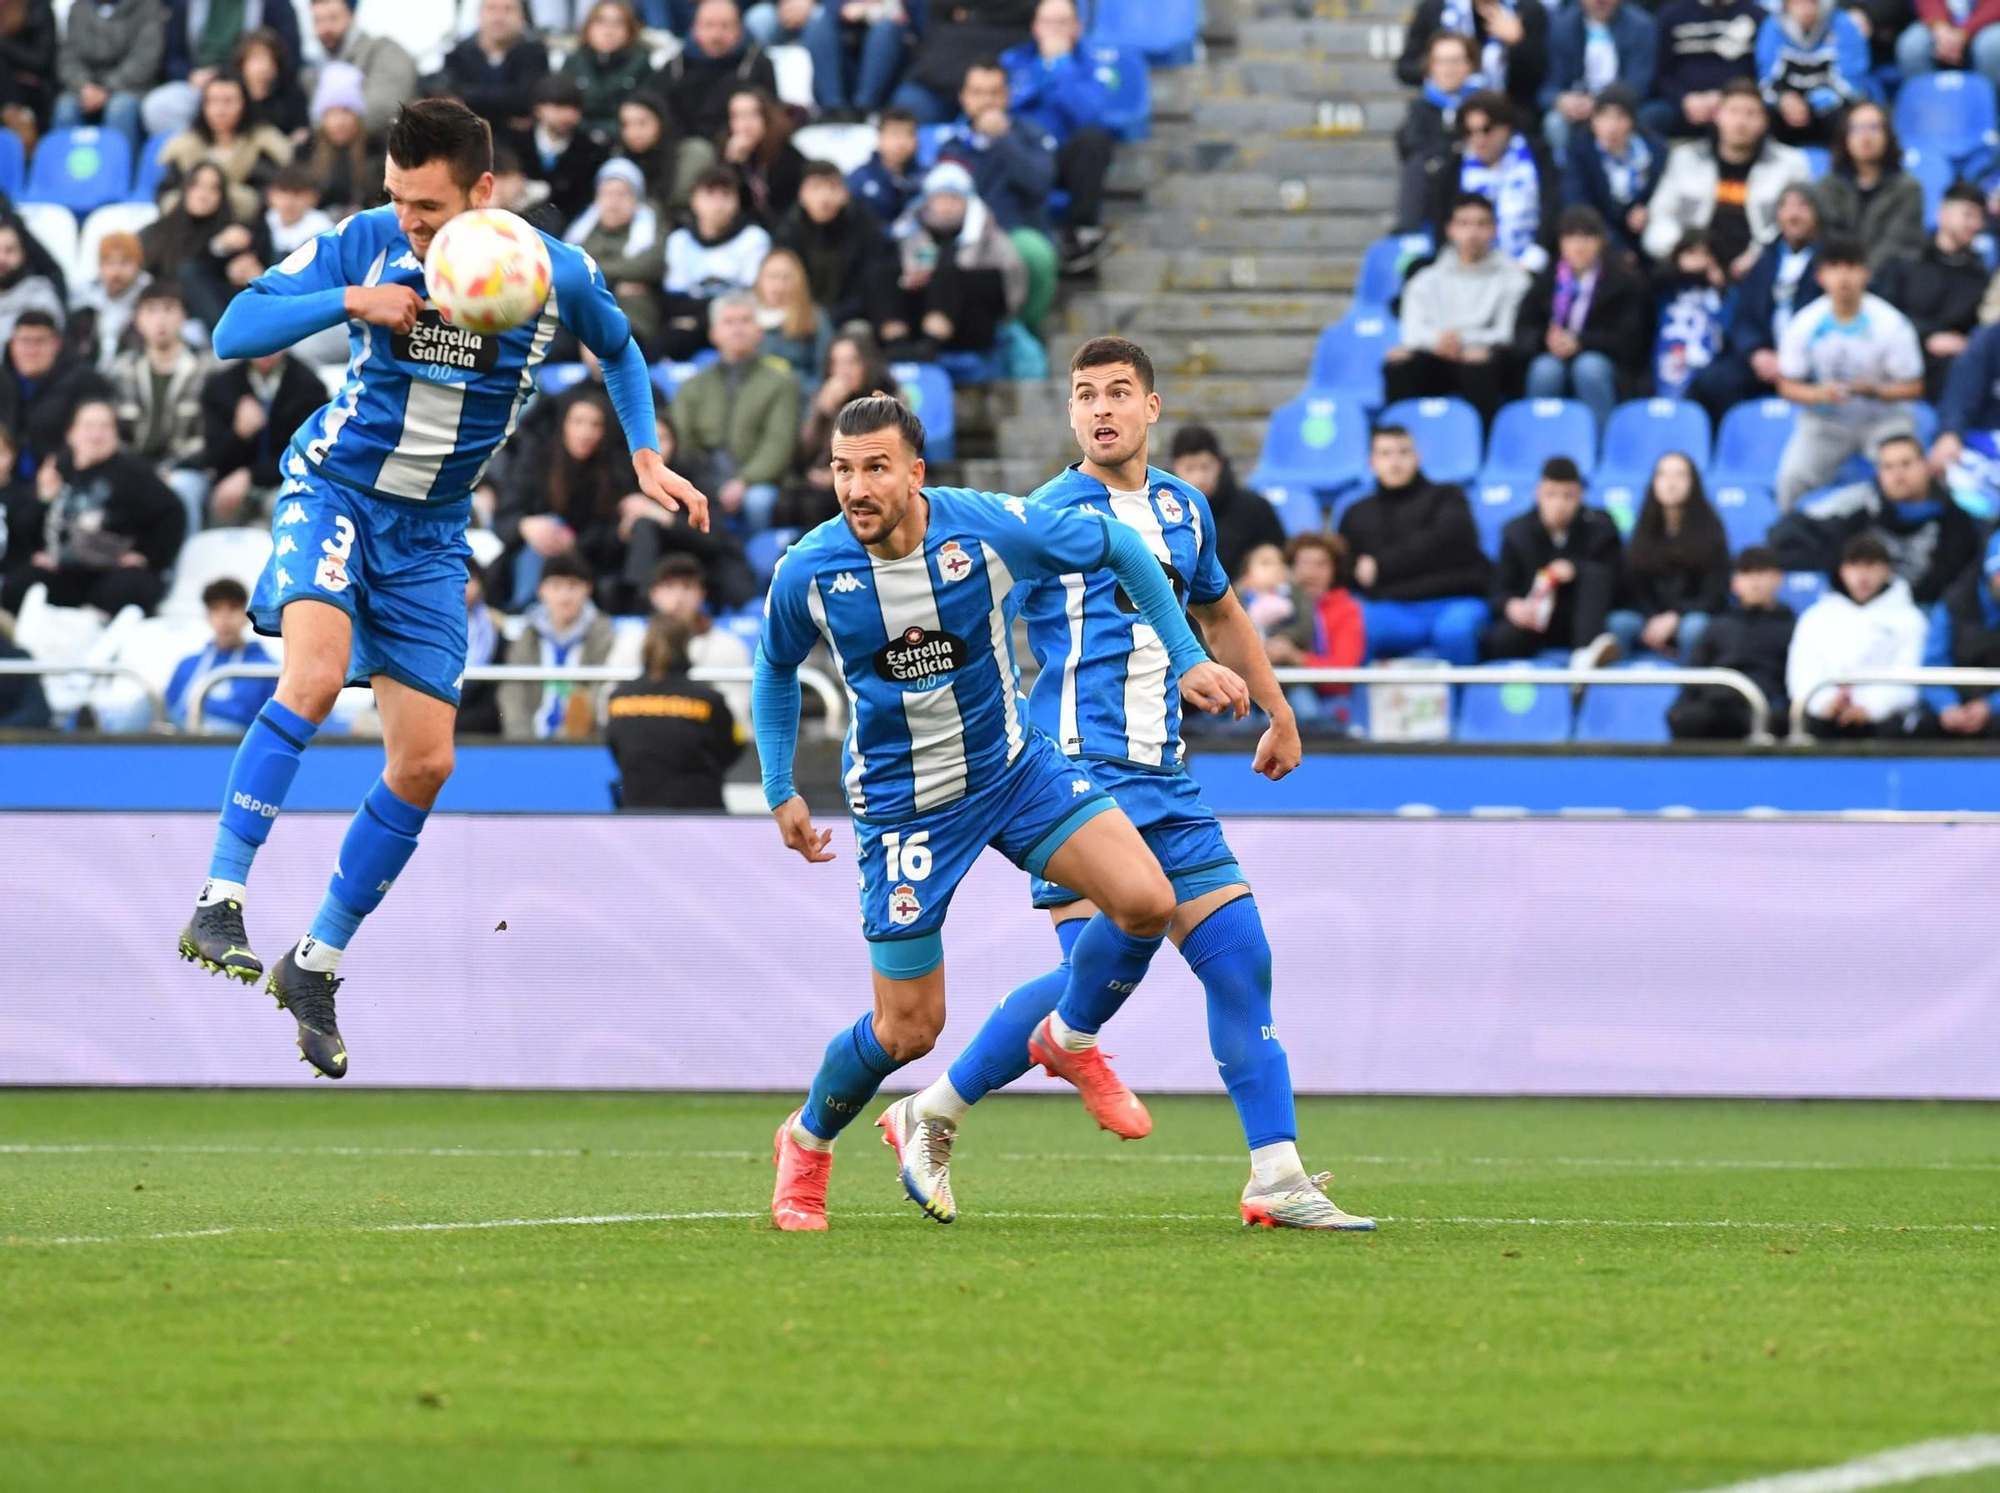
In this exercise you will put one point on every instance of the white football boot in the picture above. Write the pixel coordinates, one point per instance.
(1300, 1205)
(922, 1144)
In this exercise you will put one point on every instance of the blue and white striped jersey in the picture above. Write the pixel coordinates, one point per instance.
(1105, 690)
(419, 416)
(924, 643)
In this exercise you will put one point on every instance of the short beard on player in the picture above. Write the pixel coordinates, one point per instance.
(881, 517)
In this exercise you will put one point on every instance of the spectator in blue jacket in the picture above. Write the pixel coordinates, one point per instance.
(231, 705)
(201, 44)
(1592, 45)
(1614, 167)
(1054, 89)
(1967, 450)
(889, 181)
(1780, 284)
(1012, 161)
(1812, 62)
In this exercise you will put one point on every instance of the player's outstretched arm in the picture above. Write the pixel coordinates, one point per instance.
(308, 292)
(774, 707)
(588, 308)
(1205, 684)
(1232, 637)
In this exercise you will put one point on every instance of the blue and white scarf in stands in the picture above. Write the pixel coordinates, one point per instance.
(1459, 16)
(1448, 104)
(1625, 177)
(482, 637)
(1514, 187)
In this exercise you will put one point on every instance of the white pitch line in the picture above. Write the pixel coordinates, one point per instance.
(594, 1220)
(1118, 1158)
(1631, 1163)
(1891, 1469)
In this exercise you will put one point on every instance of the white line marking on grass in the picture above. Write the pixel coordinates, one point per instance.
(1890, 1469)
(1633, 1163)
(475, 1153)
(597, 1220)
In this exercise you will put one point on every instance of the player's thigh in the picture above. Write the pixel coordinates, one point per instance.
(319, 637)
(1107, 861)
(909, 871)
(909, 1013)
(410, 616)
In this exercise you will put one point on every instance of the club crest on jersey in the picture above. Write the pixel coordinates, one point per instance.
(300, 257)
(953, 563)
(434, 343)
(331, 574)
(904, 908)
(1170, 506)
(919, 659)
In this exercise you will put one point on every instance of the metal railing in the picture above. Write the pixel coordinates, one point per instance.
(156, 707)
(1760, 706)
(1988, 679)
(831, 696)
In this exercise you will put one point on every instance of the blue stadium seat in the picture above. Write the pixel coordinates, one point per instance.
(927, 391)
(146, 178)
(668, 376)
(13, 164)
(556, 377)
(1383, 266)
(1621, 497)
(1641, 431)
(1751, 440)
(930, 137)
(1164, 30)
(1935, 173)
(1950, 112)
(1317, 444)
(1516, 712)
(1625, 712)
(1528, 432)
(1747, 514)
(1299, 510)
(1925, 414)
(1347, 359)
(764, 548)
(1495, 505)
(80, 169)
(1818, 159)
(1446, 432)
(1129, 82)
(1802, 588)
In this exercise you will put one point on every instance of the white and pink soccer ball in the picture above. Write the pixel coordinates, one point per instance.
(487, 271)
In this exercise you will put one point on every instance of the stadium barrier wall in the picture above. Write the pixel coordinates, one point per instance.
(1774, 958)
(128, 776)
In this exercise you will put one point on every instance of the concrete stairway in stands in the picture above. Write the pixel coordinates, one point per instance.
(1240, 225)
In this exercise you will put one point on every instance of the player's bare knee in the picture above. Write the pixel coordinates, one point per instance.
(907, 1037)
(310, 688)
(418, 774)
(1146, 909)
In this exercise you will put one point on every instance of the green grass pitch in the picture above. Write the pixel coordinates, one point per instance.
(1571, 1296)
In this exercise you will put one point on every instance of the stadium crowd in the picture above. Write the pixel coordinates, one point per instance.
(1706, 203)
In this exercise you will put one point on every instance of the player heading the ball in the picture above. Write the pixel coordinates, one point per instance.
(366, 578)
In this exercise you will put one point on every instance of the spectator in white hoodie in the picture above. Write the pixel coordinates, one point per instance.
(1458, 317)
(1867, 621)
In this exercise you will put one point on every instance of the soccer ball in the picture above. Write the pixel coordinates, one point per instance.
(487, 271)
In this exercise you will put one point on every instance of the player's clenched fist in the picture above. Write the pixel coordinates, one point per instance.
(1216, 689)
(795, 824)
(392, 306)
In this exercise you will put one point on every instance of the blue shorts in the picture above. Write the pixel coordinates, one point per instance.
(397, 569)
(1182, 831)
(910, 869)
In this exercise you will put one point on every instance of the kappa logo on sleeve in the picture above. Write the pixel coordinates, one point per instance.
(1018, 507)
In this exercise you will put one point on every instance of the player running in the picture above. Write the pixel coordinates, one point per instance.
(367, 578)
(908, 587)
(1107, 695)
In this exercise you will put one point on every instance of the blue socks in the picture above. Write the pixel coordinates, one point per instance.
(1106, 966)
(379, 844)
(1231, 957)
(852, 1070)
(998, 1053)
(266, 762)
